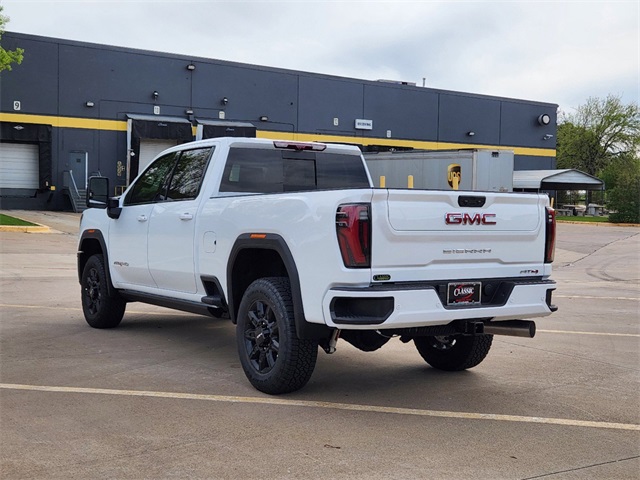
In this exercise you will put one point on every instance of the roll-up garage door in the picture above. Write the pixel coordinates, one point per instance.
(150, 148)
(19, 165)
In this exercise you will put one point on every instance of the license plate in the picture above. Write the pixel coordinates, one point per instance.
(464, 293)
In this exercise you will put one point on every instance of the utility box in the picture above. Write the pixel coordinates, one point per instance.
(471, 170)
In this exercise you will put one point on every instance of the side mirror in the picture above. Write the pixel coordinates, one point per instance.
(98, 192)
(98, 197)
(113, 208)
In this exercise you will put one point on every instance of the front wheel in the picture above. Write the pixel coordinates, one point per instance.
(454, 352)
(100, 309)
(273, 358)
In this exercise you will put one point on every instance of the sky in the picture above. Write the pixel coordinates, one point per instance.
(550, 51)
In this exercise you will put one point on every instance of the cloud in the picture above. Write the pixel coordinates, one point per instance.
(548, 51)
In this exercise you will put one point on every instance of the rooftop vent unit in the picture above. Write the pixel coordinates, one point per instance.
(396, 82)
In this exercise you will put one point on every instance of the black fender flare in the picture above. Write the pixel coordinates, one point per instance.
(274, 242)
(93, 234)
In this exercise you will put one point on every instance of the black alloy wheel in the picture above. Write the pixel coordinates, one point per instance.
(454, 352)
(273, 358)
(101, 309)
(261, 337)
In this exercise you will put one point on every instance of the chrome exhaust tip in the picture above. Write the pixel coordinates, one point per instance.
(512, 328)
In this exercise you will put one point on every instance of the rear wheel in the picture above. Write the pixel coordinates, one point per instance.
(454, 352)
(273, 358)
(101, 310)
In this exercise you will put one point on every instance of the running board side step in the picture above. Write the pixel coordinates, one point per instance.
(213, 300)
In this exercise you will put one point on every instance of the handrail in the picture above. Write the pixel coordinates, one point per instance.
(72, 188)
(73, 181)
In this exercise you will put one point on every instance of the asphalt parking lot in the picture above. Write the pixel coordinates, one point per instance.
(163, 395)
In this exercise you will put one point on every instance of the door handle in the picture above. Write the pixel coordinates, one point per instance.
(142, 218)
(186, 216)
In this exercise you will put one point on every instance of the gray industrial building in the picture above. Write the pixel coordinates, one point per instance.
(73, 109)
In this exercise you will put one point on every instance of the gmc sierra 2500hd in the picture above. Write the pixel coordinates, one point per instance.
(294, 245)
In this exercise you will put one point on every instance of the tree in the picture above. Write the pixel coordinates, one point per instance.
(599, 132)
(622, 165)
(603, 139)
(624, 196)
(7, 57)
(579, 148)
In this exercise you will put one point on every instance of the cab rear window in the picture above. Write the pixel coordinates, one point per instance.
(274, 171)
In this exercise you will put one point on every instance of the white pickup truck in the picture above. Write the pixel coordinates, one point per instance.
(294, 245)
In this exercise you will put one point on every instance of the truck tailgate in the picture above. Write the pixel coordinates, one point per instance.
(428, 235)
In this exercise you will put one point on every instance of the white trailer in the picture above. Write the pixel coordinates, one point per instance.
(472, 169)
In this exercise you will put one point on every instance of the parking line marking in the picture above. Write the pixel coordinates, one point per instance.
(591, 333)
(593, 297)
(326, 405)
(76, 309)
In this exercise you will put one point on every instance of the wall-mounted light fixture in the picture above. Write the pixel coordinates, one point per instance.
(471, 134)
(264, 118)
(155, 94)
(188, 111)
(548, 136)
(224, 100)
(191, 67)
(544, 119)
(89, 104)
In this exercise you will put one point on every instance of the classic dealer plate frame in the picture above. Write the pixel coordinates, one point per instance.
(464, 294)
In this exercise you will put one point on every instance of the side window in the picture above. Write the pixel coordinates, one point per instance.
(187, 176)
(151, 186)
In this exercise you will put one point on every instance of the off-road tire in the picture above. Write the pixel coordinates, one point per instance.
(455, 352)
(273, 358)
(101, 310)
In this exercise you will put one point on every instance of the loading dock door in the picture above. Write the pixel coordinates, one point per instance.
(19, 165)
(150, 148)
(148, 135)
(217, 128)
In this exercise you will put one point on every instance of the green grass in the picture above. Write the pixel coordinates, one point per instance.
(585, 219)
(7, 220)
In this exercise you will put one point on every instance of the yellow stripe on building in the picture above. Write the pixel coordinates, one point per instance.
(121, 126)
(398, 142)
(66, 122)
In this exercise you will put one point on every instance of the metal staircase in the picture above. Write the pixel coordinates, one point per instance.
(77, 197)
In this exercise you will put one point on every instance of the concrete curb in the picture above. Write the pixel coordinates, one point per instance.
(37, 228)
(601, 224)
(25, 229)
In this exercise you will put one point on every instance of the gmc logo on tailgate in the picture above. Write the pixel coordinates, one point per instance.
(467, 219)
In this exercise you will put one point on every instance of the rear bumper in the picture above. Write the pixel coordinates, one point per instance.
(418, 305)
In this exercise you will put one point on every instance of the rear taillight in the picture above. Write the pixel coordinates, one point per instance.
(550, 238)
(353, 226)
